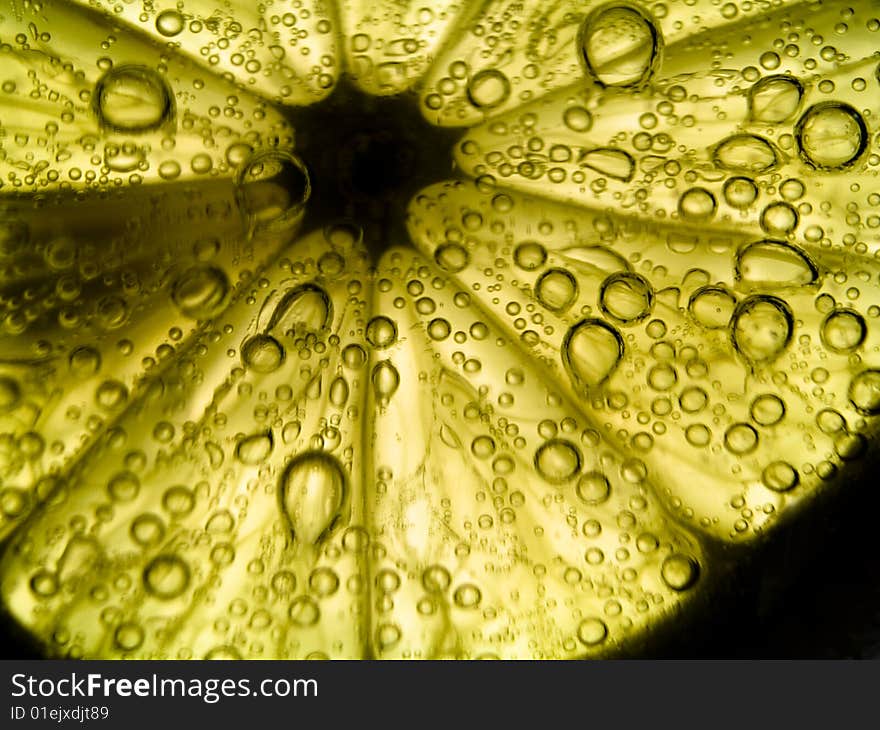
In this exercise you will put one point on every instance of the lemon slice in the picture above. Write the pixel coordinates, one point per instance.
(472, 330)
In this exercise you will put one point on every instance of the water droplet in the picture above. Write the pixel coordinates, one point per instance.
(312, 493)
(762, 328)
(262, 354)
(746, 153)
(128, 636)
(558, 461)
(593, 488)
(339, 391)
(124, 487)
(439, 329)
(620, 46)
(132, 99)
(741, 438)
(680, 572)
(488, 88)
(386, 380)
(843, 330)
(354, 357)
(556, 289)
(578, 119)
(780, 476)
(201, 292)
(169, 23)
(84, 361)
(147, 530)
(302, 310)
(712, 306)
(697, 204)
(304, 611)
(610, 162)
(166, 576)
(592, 631)
(44, 584)
(178, 501)
(740, 192)
(381, 332)
(625, 297)
(831, 135)
(774, 99)
(779, 218)
(323, 582)
(864, 392)
(436, 579)
(529, 255)
(254, 449)
(774, 263)
(110, 395)
(273, 188)
(767, 409)
(451, 257)
(467, 595)
(591, 351)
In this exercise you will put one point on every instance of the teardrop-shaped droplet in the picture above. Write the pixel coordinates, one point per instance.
(620, 45)
(254, 449)
(303, 309)
(774, 263)
(591, 351)
(762, 328)
(339, 391)
(312, 493)
(386, 380)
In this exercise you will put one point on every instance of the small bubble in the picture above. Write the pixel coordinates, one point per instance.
(166, 576)
(558, 461)
(680, 572)
(488, 88)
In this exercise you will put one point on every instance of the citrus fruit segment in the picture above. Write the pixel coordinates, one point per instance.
(103, 106)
